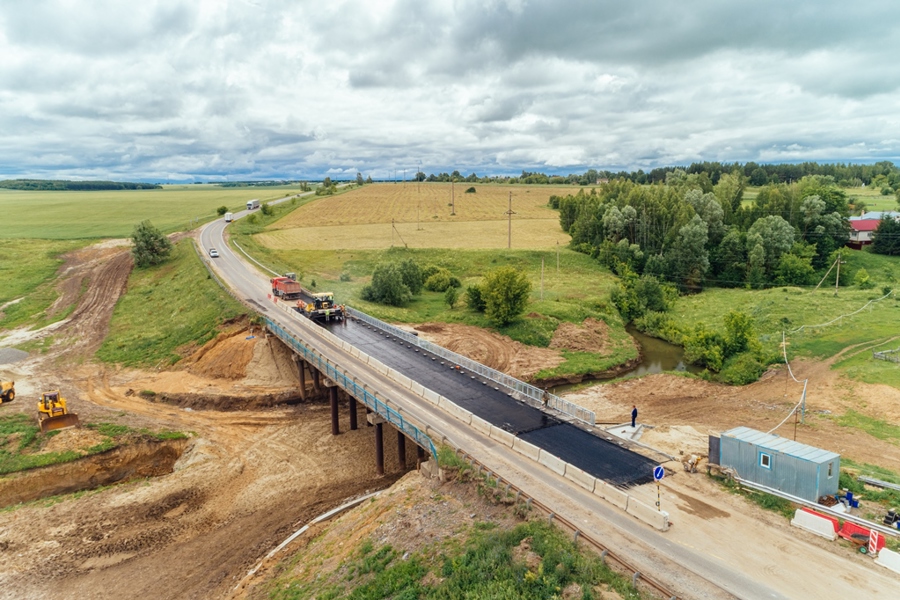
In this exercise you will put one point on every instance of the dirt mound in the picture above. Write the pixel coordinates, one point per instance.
(74, 438)
(227, 402)
(224, 357)
(591, 336)
(492, 349)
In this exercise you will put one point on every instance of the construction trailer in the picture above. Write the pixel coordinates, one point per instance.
(780, 463)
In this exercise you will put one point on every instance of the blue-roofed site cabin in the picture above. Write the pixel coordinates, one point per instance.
(779, 463)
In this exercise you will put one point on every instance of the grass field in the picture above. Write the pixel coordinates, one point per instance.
(167, 307)
(777, 309)
(27, 272)
(113, 214)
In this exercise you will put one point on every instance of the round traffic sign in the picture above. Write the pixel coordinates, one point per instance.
(658, 473)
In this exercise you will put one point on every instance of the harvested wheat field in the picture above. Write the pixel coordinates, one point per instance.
(421, 217)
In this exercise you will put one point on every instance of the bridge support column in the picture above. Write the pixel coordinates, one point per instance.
(401, 450)
(378, 421)
(316, 379)
(352, 413)
(335, 423)
(420, 453)
(368, 421)
(301, 367)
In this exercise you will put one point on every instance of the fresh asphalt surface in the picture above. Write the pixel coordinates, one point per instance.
(488, 400)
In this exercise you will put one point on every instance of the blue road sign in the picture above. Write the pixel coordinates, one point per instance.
(658, 473)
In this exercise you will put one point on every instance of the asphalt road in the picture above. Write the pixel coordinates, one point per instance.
(484, 398)
(689, 574)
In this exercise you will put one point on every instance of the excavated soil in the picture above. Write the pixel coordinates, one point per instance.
(591, 336)
(490, 348)
(131, 461)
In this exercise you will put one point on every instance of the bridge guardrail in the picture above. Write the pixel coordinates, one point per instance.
(351, 386)
(530, 394)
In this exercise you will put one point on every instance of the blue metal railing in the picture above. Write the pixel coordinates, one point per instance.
(528, 393)
(351, 387)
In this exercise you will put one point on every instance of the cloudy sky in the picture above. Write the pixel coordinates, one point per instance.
(212, 89)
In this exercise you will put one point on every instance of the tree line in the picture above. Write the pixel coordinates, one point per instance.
(882, 175)
(74, 186)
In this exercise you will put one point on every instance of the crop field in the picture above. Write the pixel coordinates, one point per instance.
(114, 213)
(361, 219)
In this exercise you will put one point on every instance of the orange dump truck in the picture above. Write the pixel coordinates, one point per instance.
(286, 288)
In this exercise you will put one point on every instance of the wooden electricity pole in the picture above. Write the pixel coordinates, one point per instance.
(509, 214)
(452, 199)
(837, 279)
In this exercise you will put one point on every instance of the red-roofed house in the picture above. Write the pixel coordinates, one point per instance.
(861, 232)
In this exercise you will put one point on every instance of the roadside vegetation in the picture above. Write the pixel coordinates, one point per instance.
(168, 307)
(22, 443)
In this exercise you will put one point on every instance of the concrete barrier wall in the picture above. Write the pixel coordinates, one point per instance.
(820, 526)
(611, 494)
(557, 465)
(400, 378)
(431, 396)
(460, 413)
(586, 481)
(481, 425)
(417, 389)
(504, 437)
(526, 449)
(658, 519)
(888, 559)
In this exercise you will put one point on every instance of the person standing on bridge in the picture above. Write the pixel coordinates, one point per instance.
(633, 415)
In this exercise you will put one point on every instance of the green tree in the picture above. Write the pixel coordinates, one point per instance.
(505, 292)
(739, 334)
(412, 275)
(221, 210)
(451, 296)
(729, 261)
(688, 257)
(267, 209)
(862, 279)
(475, 298)
(387, 286)
(150, 246)
(359, 179)
(794, 270)
(635, 296)
(776, 236)
(886, 239)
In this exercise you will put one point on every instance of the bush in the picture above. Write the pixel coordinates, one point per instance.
(474, 298)
(742, 369)
(267, 209)
(412, 275)
(505, 292)
(471, 190)
(862, 280)
(345, 276)
(387, 286)
(221, 210)
(439, 281)
(451, 296)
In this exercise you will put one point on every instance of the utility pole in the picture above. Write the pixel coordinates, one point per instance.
(542, 279)
(509, 214)
(452, 199)
(837, 280)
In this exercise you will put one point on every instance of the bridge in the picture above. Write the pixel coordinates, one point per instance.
(551, 452)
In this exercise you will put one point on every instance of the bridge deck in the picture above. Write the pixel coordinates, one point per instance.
(594, 455)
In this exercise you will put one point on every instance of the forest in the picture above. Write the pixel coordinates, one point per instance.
(73, 186)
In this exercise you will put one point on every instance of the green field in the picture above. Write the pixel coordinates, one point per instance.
(174, 305)
(27, 274)
(113, 214)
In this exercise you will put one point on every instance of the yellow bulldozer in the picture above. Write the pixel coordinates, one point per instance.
(7, 391)
(53, 414)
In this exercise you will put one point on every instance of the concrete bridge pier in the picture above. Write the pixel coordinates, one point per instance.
(401, 450)
(301, 369)
(352, 413)
(333, 398)
(420, 454)
(317, 384)
(378, 421)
